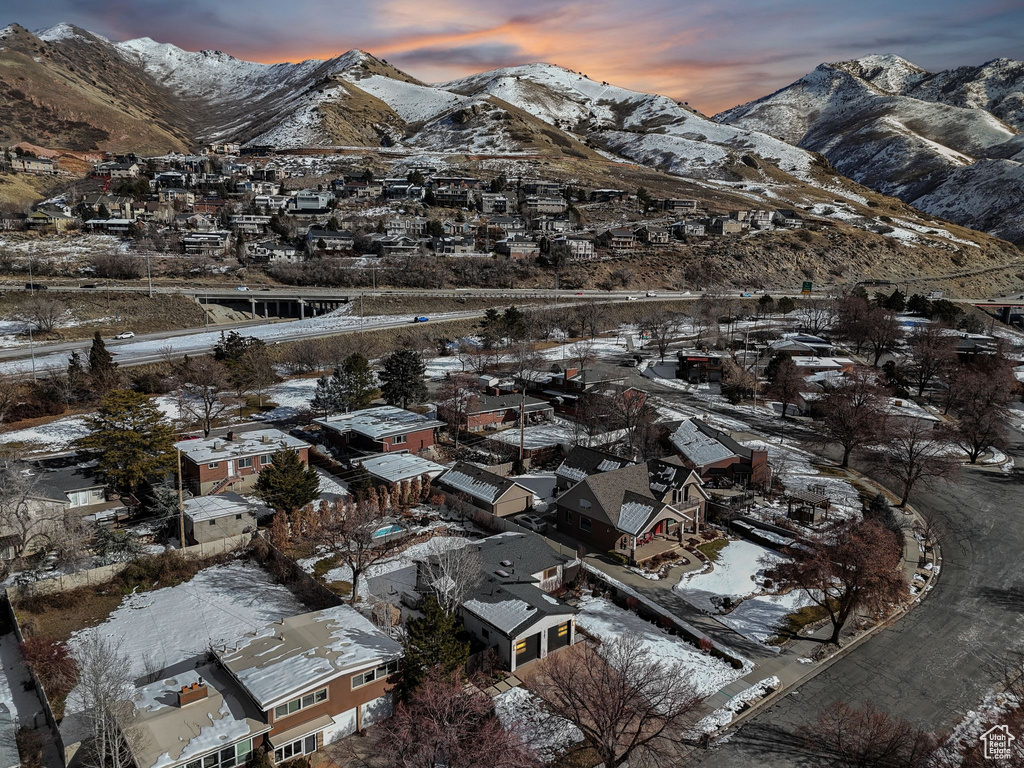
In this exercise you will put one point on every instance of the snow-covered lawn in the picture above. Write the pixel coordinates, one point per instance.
(158, 629)
(605, 620)
(521, 713)
(57, 435)
(291, 396)
(793, 467)
(555, 432)
(759, 618)
(736, 573)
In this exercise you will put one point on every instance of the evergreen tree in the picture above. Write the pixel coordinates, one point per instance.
(401, 380)
(492, 328)
(232, 347)
(130, 440)
(431, 641)
(101, 362)
(514, 323)
(323, 401)
(77, 379)
(361, 482)
(772, 369)
(360, 386)
(288, 484)
(785, 305)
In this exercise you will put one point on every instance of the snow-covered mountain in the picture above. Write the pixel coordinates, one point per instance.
(946, 142)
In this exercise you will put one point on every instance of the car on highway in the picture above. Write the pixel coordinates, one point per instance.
(35, 287)
(744, 295)
(420, 319)
(533, 522)
(631, 298)
(125, 335)
(242, 288)
(651, 293)
(579, 293)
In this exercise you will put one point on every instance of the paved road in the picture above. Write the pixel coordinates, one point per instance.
(939, 661)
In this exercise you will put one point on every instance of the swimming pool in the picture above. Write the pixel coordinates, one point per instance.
(386, 531)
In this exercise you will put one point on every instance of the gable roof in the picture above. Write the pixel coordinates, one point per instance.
(581, 462)
(477, 482)
(697, 446)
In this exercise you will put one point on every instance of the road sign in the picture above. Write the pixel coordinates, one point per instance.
(806, 288)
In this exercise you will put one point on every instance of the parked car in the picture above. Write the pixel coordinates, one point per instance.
(125, 335)
(534, 522)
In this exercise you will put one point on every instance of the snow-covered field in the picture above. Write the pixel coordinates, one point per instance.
(555, 432)
(521, 713)
(58, 435)
(793, 467)
(737, 573)
(607, 621)
(158, 629)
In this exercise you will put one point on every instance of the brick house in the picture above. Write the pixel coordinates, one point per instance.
(497, 411)
(485, 490)
(638, 511)
(380, 430)
(233, 462)
(713, 454)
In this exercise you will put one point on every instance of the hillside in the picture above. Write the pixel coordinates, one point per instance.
(919, 136)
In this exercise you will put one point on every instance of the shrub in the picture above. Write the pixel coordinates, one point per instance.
(618, 557)
(705, 644)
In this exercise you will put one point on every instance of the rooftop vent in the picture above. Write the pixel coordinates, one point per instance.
(191, 693)
(506, 562)
(501, 572)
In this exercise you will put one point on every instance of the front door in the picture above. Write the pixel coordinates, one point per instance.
(231, 467)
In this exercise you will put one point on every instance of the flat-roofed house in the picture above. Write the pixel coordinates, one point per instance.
(233, 462)
(381, 430)
(393, 468)
(316, 677)
(209, 518)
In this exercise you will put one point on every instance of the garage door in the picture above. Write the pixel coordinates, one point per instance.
(344, 725)
(527, 649)
(558, 637)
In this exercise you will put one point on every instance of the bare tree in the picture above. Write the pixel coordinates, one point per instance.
(663, 326)
(43, 313)
(852, 320)
(854, 414)
(254, 372)
(456, 397)
(204, 383)
(452, 572)
(882, 332)
(853, 566)
(847, 737)
(915, 450)
(786, 385)
(591, 315)
(347, 531)
(10, 396)
(817, 315)
(101, 699)
(581, 353)
(628, 705)
(932, 351)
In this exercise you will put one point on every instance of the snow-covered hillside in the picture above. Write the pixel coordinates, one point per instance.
(905, 132)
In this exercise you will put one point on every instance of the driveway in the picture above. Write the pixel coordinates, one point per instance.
(939, 661)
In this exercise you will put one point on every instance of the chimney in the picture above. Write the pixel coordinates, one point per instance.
(190, 693)
(570, 372)
(231, 437)
(265, 439)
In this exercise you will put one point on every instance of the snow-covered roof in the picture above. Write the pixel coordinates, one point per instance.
(634, 514)
(505, 615)
(698, 447)
(257, 442)
(379, 422)
(204, 508)
(296, 654)
(476, 482)
(395, 467)
(162, 734)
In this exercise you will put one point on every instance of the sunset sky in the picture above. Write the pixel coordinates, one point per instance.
(713, 54)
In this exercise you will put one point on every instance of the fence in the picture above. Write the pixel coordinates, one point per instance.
(105, 573)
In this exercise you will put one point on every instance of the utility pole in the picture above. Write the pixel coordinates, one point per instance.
(181, 504)
(31, 340)
(149, 275)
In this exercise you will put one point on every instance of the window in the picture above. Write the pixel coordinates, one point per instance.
(213, 522)
(520, 647)
(303, 746)
(245, 462)
(584, 504)
(568, 515)
(238, 517)
(268, 459)
(585, 524)
(563, 629)
(228, 757)
(293, 706)
(550, 573)
(379, 673)
(399, 439)
(485, 633)
(213, 465)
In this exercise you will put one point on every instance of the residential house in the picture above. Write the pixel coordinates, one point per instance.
(582, 462)
(551, 223)
(809, 365)
(512, 608)
(618, 239)
(250, 224)
(638, 511)
(206, 243)
(688, 229)
(395, 245)
(400, 189)
(456, 228)
(578, 247)
(453, 246)
(176, 195)
(118, 206)
(394, 468)
(46, 218)
(536, 205)
(452, 196)
(760, 219)
(653, 235)
(494, 202)
(498, 411)
(111, 226)
(276, 253)
(801, 345)
(41, 166)
(684, 205)
(455, 181)
(310, 201)
(315, 678)
(715, 456)
(329, 240)
(902, 411)
(116, 170)
(723, 225)
(518, 247)
(510, 226)
(409, 226)
(500, 496)
(233, 462)
(695, 366)
(608, 195)
(787, 217)
(382, 429)
(209, 518)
